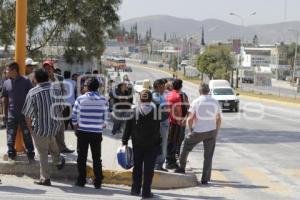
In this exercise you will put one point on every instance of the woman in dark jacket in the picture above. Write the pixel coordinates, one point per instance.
(143, 129)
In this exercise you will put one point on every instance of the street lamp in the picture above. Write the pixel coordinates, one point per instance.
(242, 18)
(296, 52)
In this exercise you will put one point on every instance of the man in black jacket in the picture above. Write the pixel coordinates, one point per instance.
(143, 129)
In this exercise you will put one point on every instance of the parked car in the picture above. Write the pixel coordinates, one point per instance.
(144, 62)
(160, 65)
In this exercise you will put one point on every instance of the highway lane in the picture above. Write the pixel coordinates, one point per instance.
(258, 149)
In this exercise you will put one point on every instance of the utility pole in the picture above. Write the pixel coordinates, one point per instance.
(295, 60)
(242, 18)
(20, 52)
(296, 53)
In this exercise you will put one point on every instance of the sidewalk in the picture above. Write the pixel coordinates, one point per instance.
(113, 173)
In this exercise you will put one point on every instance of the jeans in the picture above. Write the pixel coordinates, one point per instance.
(164, 128)
(181, 138)
(84, 139)
(209, 143)
(12, 125)
(144, 162)
(119, 120)
(67, 113)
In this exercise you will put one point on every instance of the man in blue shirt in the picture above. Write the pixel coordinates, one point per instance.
(14, 94)
(89, 121)
(159, 98)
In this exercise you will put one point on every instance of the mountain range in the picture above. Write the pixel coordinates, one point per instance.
(215, 30)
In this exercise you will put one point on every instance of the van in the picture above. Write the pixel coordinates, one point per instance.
(224, 94)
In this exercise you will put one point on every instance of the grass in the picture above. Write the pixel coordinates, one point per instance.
(270, 97)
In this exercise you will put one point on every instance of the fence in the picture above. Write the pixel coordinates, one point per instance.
(268, 90)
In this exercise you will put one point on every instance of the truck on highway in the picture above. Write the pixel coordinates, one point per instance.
(224, 94)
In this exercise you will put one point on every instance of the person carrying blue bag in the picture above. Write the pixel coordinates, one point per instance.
(144, 131)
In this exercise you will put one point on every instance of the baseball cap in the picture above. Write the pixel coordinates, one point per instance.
(48, 62)
(30, 62)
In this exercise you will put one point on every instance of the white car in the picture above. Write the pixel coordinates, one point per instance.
(141, 85)
(222, 92)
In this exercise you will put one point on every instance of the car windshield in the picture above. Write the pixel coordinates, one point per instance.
(223, 91)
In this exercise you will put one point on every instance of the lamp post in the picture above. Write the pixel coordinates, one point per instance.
(296, 52)
(242, 18)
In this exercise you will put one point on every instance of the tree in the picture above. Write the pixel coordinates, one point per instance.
(52, 21)
(174, 63)
(74, 52)
(7, 24)
(216, 61)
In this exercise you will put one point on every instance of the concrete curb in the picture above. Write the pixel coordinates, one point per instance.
(162, 180)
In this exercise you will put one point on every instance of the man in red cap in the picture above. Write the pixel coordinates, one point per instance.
(48, 65)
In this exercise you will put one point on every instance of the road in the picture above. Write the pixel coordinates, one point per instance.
(257, 157)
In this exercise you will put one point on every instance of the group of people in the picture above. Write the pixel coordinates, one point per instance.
(157, 127)
(156, 123)
(40, 103)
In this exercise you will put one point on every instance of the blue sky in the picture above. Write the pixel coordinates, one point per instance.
(268, 11)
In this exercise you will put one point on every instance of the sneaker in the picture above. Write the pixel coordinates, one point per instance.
(172, 166)
(46, 182)
(180, 171)
(148, 196)
(133, 193)
(62, 164)
(67, 151)
(204, 182)
(161, 169)
(11, 161)
(79, 184)
(97, 186)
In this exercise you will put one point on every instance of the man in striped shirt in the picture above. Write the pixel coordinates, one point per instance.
(57, 81)
(42, 110)
(89, 121)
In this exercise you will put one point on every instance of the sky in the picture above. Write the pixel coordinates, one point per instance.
(268, 11)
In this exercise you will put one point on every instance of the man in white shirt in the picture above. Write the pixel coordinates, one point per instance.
(204, 122)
